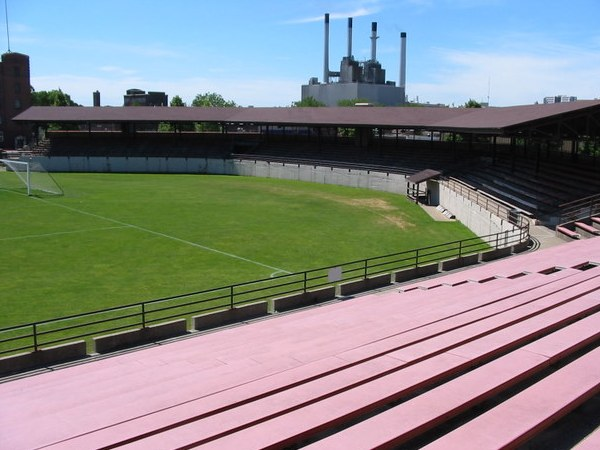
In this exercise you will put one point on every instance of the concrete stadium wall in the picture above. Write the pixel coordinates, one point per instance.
(131, 338)
(476, 218)
(108, 164)
(380, 181)
(229, 316)
(47, 356)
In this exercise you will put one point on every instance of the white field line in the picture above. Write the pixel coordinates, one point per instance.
(157, 233)
(59, 233)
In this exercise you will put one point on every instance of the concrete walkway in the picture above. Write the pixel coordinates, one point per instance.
(545, 236)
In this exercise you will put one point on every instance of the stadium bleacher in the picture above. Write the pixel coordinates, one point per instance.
(486, 357)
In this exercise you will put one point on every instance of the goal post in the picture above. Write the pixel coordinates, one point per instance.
(29, 176)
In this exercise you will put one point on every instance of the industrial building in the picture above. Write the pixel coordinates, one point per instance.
(137, 97)
(358, 79)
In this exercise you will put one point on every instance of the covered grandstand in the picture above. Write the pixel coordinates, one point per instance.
(538, 158)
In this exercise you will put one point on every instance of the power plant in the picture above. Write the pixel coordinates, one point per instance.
(358, 79)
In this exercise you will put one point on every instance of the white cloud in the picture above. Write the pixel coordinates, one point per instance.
(354, 9)
(511, 76)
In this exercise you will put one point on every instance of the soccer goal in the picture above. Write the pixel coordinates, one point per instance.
(28, 176)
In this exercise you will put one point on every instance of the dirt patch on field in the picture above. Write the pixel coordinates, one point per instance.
(370, 203)
(388, 213)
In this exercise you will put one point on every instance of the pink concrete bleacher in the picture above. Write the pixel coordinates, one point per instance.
(376, 370)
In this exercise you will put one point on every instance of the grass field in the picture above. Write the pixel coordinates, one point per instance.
(116, 239)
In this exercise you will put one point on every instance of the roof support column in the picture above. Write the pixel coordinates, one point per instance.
(470, 144)
(538, 156)
(320, 138)
(513, 155)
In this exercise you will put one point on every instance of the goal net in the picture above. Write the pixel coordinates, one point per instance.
(27, 176)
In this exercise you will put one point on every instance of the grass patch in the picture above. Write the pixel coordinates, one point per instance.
(116, 239)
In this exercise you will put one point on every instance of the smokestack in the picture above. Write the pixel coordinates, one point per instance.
(349, 37)
(403, 60)
(96, 96)
(326, 53)
(374, 41)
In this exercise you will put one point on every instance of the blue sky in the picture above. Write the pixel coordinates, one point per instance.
(260, 52)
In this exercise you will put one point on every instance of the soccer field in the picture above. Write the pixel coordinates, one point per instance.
(115, 239)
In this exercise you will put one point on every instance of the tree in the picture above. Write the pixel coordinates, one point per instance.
(208, 100)
(472, 104)
(55, 97)
(176, 102)
(352, 101)
(212, 99)
(308, 102)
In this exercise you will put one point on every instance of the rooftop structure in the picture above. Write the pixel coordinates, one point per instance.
(559, 99)
(137, 97)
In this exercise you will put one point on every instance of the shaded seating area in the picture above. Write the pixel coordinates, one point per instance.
(479, 358)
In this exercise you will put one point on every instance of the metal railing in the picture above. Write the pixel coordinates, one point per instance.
(579, 209)
(48, 333)
(494, 206)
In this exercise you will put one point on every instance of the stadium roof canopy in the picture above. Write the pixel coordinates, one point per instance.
(559, 120)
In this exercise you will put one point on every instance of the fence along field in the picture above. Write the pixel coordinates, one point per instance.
(118, 239)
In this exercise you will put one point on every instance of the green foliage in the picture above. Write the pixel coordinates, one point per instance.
(590, 147)
(308, 102)
(210, 100)
(353, 101)
(472, 104)
(116, 239)
(55, 97)
(347, 132)
(176, 102)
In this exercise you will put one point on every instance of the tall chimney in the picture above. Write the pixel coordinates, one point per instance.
(374, 41)
(349, 37)
(403, 61)
(326, 53)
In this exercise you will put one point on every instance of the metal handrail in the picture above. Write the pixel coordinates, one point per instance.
(503, 211)
(42, 334)
(579, 209)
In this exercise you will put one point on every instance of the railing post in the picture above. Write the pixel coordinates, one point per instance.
(143, 315)
(417, 258)
(366, 267)
(305, 280)
(35, 339)
(231, 295)
(460, 248)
